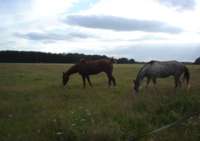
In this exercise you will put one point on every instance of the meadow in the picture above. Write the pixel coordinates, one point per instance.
(34, 106)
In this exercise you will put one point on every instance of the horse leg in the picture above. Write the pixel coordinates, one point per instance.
(176, 85)
(154, 81)
(183, 79)
(177, 81)
(148, 81)
(83, 77)
(109, 79)
(113, 80)
(154, 84)
(88, 79)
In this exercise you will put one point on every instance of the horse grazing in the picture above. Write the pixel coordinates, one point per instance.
(157, 69)
(86, 68)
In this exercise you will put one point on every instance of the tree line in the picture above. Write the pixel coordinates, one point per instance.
(41, 57)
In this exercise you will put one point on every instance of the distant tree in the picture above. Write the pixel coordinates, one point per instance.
(38, 57)
(131, 61)
(125, 61)
(122, 61)
(197, 61)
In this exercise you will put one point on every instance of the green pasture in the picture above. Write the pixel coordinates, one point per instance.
(34, 106)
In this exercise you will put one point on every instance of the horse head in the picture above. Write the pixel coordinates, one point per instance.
(136, 86)
(65, 78)
(113, 60)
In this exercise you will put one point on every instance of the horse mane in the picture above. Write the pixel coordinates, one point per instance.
(72, 69)
(152, 62)
(141, 72)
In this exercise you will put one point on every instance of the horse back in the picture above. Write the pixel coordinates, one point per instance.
(163, 69)
(95, 67)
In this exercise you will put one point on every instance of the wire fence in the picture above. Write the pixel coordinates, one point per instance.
(170, 125)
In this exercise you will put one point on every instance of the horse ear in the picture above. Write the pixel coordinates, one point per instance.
(82, 60)
(112, 60)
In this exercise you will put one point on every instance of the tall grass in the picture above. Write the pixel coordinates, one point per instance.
(35, 106)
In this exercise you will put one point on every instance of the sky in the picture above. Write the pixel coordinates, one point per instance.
(140, 29)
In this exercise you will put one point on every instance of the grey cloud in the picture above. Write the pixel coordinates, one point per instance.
(120, 24)
(139, 39)
(179, 4)
(148, 38)
(52, 37)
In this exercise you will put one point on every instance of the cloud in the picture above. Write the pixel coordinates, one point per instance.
(179, 4)
(52, 37)
(7, 6)
(120, 24)
(162, 51)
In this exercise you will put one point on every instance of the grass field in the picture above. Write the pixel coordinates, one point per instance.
(34, 106)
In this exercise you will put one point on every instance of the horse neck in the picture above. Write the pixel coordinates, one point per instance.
(140, 75)
(72, 70)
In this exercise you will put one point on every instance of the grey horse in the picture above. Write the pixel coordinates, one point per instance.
(157, 69)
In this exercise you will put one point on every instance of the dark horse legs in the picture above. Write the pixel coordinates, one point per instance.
(83, 77)
(88, 79)
(149, 79)
(177, 82)
(111, 79)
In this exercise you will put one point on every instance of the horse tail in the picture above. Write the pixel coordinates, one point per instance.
(186, 76)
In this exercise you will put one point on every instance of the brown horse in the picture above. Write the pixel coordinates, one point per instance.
(86, 68)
